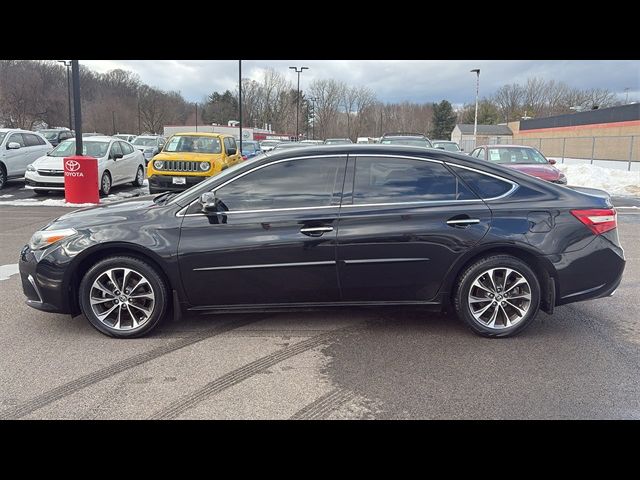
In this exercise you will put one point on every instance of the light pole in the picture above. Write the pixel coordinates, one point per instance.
(475, 120)
(196, 116)
(113, 121)
(298, 99)
(313, 119)
(67, 63)
(626, 100)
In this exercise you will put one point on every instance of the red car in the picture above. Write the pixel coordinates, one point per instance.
(522, 158)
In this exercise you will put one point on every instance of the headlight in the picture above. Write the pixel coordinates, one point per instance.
(44, 238)
(31, 168)
(158, 164)
(204, 166)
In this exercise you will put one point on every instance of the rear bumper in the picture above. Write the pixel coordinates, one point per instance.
(165, 183)
(592, 272)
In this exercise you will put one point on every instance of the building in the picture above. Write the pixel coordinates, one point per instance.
(601, 136)
(486, 134)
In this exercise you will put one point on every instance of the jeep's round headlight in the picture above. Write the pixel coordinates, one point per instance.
(204, 166)
(44, 238)
(158, 164)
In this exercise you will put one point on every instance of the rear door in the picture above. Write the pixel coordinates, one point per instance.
(273, 241)
(403, 222)
(130, 161)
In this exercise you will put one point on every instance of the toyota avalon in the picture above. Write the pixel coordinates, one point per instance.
(333, 225)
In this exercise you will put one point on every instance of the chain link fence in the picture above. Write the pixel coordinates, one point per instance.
(603, 149)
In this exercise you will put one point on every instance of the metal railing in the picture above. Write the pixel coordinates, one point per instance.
(611, 148)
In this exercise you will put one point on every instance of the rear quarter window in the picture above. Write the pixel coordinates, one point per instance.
(483, 185)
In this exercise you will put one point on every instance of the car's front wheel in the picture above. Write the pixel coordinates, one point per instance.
(123, 297)
(497, 296)
(105, 184)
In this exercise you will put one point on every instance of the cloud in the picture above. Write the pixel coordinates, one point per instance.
(392, 80)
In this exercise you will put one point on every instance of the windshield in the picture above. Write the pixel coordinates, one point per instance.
(145, 142)
(413, 142)
(250, 147)
(224, 174)
(49, 135)
(451, 147)
(516, 155)
(271, 142)
(68, 148)
(2, 135)
(194, 144)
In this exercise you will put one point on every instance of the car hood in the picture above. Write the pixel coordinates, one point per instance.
(188, 156)
(49, 163)
(545, 172)
(110, 213)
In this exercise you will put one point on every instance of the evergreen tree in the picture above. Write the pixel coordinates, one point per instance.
(444, 120)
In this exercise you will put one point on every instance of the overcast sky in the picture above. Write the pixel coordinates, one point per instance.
(392, 80)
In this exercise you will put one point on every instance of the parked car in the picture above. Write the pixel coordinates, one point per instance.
(447, 145)
(18, 148)
(189, 158)
(290, 145)
(523, 158)
(250, 149)
(267, 145)
(118, 163)
(127, 137)
(410, 139)
(93, 134)
(337, 141)
(149, 145)
(56, 135)
(312, 142)
(333, 225)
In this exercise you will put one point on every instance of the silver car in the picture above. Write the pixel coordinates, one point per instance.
(118, 162)
(149, 145)
(19, 148)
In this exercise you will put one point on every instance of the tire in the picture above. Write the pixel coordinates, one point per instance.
(139, 180)
(41, 192)
(105, 184)
(3, 177)
(148, 308)
(514, 313)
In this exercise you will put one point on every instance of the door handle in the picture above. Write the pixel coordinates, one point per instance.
(462, 222)
(315, 231)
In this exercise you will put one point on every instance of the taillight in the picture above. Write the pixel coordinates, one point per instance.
(597, 220)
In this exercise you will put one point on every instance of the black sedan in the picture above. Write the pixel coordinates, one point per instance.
(333, 225)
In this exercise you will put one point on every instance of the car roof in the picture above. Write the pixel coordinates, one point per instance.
(95, 138)
(5, 130)
(202, 134)
(443, 141)
(506, 146)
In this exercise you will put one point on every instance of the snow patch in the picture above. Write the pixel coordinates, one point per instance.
(613, 181)
(7, 270)
(6, 196)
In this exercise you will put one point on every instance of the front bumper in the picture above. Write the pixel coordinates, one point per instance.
(42, 283)
(33, 180)
(164, 183)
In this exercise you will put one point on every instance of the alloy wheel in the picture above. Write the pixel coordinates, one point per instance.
(122, 299)
(499, 298)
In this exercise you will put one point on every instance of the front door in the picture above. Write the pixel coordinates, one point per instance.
(273, 239)
(403, 223)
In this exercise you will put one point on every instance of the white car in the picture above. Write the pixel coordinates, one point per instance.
(118, 162)
(268, 145)
(149, 145)
(19, 148)
(127, 137)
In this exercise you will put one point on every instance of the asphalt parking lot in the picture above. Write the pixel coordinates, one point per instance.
(582, 362)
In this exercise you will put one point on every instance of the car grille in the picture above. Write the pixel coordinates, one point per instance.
(51, 173)
(181, 166)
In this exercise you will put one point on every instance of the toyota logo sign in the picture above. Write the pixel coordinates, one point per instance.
(72, 165)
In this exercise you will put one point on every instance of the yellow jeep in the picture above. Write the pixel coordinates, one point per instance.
(189, 158)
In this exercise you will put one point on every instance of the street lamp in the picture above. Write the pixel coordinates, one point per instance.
(626, 100)
(67, 63)
(313, 121)
(475, 120)
(298, 99)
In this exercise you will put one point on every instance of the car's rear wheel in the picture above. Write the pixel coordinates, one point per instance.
(139, 180)
(123, 297)
(105, 184)
(497, 296)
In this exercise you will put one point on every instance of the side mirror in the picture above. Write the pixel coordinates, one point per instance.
(552, 161)
(232, 151)
(13, 146)
(209, 202)
(117, 156)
